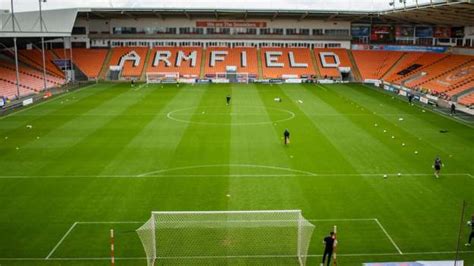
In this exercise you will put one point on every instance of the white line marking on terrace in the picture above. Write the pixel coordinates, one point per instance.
(61, 240)
(389, 237)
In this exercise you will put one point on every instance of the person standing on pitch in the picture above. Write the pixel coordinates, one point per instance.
(471, 236)
(227, 98)
(286, 136)
(437, 166)
(328, 248)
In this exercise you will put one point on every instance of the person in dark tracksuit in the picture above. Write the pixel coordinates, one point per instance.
(437, 166)
(471, 236)
(286, 136)
(328, 248)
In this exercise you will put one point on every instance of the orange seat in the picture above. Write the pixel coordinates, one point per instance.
(439, 70)
(186, 68)
(300, 56)
(332, 72)
(89, 61)
(128, 70)
(233, 58)
(375, 64)
(35, 58)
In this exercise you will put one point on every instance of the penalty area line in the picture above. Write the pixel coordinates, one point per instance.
(61, 240)
(388, 236)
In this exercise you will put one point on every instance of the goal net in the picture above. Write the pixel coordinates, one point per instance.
(162, 77)
(219, 236)
(233, 77)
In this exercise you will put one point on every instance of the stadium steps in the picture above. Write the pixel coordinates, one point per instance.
(145, 67)
(355, 69)
(461, 94)
(413, 78)
(202, 67)
(105, 66)
(400, 80)
(450, 70)
(394, 66)
(259, 63)
(315, 64)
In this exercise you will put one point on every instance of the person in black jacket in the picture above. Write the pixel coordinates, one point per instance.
(328, 248)
(286, 136)
(471, 236)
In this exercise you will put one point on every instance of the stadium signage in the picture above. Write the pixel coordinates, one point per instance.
(231, 24)
(272, 60)
(27, 101)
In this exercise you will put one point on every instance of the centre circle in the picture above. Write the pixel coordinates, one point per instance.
(231, 115)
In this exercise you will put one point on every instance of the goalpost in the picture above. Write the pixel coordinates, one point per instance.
(223, 235)
(234, 77)
(162, 77)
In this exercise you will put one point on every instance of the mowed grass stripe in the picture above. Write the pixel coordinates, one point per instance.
(423, 127)
(258, 145)
(349, 138)
(32, 151)
(304, 134)
(92, 140)
(200, 145)
(385, 139)
(402, 199)
(151, 151)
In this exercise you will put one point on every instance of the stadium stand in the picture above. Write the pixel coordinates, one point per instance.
(188, 68)
(31, 80)
(331, 72)
(458, 78)
(233, 58)
(467, 100)
(411, 63)
(128, 70)
(89, 61)
(34, 58)
(440, 69)
(302, 57)
(375, 64)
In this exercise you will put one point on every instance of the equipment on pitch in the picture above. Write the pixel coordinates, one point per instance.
(162, 77)
(224, 235)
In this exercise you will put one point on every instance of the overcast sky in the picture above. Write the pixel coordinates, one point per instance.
(28, 5)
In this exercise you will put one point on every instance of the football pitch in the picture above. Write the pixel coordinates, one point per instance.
(104, 156)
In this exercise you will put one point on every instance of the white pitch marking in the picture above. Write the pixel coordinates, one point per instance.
(230, 257)
(389, 237)
(170, 116)
(61, 240)
(151, 175)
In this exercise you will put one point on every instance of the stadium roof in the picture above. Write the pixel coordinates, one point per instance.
(56, 23)
(456, 13)
(59, 22)
(453, 13)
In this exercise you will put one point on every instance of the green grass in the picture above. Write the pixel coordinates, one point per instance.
(111, 153)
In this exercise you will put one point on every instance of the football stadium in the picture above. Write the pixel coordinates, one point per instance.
(272, 132)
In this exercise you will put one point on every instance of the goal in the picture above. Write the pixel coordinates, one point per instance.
(233, 77)
(268, 237)
(162, 77)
